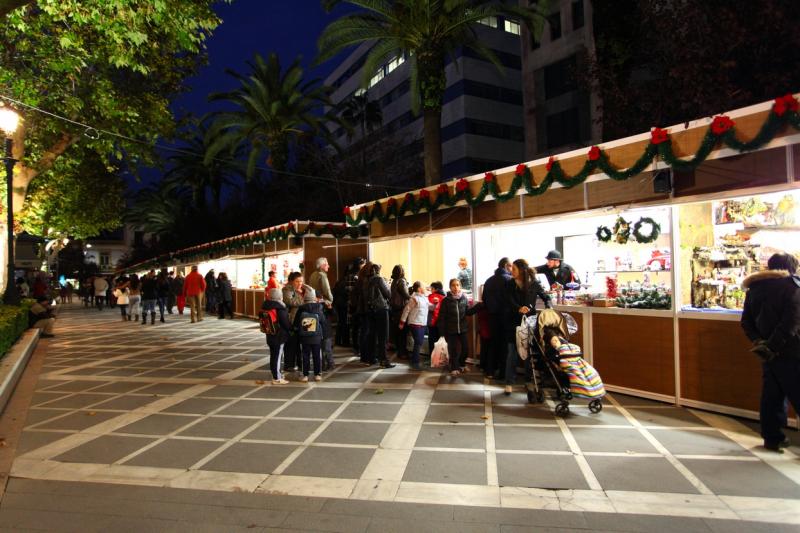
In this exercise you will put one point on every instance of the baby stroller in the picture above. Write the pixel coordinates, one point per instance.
(571, 375)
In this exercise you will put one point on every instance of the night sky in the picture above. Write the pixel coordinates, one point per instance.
(287, 27)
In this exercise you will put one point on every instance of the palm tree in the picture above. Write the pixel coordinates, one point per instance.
(359, 110)
(191, 168)
(425, 32)
(274, 106)
(159, 209)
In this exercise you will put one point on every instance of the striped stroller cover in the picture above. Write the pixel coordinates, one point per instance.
(584, 381)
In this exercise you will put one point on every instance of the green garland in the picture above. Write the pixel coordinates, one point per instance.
(224, 246)
(603, 234)
(721, 132)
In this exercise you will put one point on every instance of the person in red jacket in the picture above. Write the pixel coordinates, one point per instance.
(435, 298)
(194, 286)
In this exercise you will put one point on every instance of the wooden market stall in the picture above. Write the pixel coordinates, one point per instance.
(680, 342)
(248, 258)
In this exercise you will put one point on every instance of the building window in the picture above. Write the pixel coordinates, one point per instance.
(105, 259)
(559, 77)
(360, 91)
(394, 63)
(489, 21)
(563, 128)
(577, 15)
(511, 26)
(376, 78)
(554, 21)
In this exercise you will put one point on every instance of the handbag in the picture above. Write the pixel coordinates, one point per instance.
(524, 336)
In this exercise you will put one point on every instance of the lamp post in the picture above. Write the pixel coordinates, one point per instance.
(9, 120)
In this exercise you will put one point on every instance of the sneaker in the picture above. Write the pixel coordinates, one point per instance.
(387, 364)
(317, 378)
(455, 373)
(779, 446)
(279, 382)
(507, 390)
(304, 379)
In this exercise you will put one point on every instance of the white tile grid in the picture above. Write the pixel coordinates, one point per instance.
(406, 437)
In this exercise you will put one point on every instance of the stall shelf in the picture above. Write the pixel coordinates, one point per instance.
(694, 357)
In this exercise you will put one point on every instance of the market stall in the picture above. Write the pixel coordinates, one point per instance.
(660, 228)
(247, 259)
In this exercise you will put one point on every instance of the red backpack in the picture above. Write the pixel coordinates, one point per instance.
(268, 321)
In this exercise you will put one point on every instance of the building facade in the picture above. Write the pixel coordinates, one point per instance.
(482, 125)
(559, 113)
(109, 247)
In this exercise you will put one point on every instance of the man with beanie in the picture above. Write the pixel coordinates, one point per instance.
(771, 320)
(557, 271)
(309, 322)
(276, 341)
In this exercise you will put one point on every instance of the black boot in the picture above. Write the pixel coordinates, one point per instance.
(152, 318)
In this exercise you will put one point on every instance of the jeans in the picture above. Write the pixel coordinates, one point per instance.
(148, 305)
(275, 356)
(379, 331)
(342, 326)
(366, 349)
(512, 360)
(327, 352)
(781, 381)
(309, 351)
(418, 334)
(457, 349)
(134, 301)
(123, 309)
(98, 301)
(161, 301)
(170, 303)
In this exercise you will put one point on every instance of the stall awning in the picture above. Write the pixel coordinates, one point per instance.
(682, 147)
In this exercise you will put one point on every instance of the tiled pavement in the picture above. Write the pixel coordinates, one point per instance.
(189, 406)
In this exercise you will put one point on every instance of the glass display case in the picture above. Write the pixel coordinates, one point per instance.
(724, 241)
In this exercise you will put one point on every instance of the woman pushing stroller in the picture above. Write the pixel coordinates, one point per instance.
(522, 291)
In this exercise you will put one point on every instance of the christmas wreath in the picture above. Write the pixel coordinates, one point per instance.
(655, 230)
(603, 234)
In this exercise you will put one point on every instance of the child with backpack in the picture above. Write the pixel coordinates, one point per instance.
(310, 324)
(274, 322)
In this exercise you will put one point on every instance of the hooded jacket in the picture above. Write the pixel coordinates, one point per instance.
(772, 311)
(452, 318)
(315, 308)
(284, 326)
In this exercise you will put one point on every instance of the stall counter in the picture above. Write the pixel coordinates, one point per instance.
(247, 302)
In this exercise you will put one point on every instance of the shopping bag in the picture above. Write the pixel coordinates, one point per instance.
(525, 336)
(439, 357)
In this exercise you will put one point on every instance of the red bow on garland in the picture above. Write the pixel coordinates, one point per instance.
(785, 103)
(659, 135)
(721, 124)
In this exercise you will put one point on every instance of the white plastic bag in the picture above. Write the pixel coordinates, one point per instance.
(525, 336)
(439, 357)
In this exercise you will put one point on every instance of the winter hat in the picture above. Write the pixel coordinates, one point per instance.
(310, 296)
(554, 254)
(276, 295)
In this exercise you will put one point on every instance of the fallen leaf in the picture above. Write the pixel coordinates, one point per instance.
(378, 391)
(484, 417)
(91, 413)
(3, 443)
(259, 382)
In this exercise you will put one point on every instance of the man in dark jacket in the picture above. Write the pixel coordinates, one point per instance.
(557, 271)
(494, 298)
(277, 341)
(771, 320)
(211, 291)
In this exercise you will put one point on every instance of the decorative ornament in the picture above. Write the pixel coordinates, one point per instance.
(785, 103)
(392, 202)
(520, 170)
(622, 230)
(550, 163)
(488, 177)
(462, 185)
(442, 189)
(721, 124)
(424, 194)
(594, 153)
(409, 198)
(655, 230)
(611, 288)
(658, 136)
(603, 234)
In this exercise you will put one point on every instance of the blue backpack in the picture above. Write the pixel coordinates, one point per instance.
(309, 325)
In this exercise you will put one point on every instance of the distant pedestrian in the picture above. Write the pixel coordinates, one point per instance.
(193, 288)
(398, 299)
(377, 299)
(272, 281)
(322, 287)
(415, 315)
(100, 289)
(494, 299)
(177, 291)
(435, 299)
(134, 297)
(225, 294)
(211, 291)
(149, 297)
(309, 322)
(42, 316)
(293, 296)
(452, 323)
(163, 291)
(121, 293)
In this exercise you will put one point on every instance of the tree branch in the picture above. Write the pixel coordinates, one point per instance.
(7, 6)
(26, 175)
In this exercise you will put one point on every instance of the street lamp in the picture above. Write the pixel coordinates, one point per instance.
(9, 120)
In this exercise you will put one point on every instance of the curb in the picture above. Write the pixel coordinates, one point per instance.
(13, 364)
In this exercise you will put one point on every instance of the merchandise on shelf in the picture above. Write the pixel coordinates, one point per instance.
(718, 272)
(645, 298)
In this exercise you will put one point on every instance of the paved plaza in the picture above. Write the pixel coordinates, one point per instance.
(176, 427)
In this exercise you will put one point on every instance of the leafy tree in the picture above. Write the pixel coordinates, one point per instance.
(684, 60)
(81, 198)
(110, 64)
(190, 167)
(273, 107)
(426, 32)
(365, 114)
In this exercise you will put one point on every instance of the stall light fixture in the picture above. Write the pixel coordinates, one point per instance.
(9, 119)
